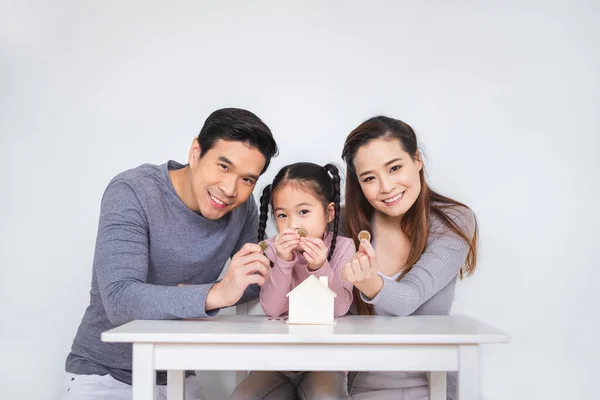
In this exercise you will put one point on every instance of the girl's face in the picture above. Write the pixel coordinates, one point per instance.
(296, 207)
(388, 176)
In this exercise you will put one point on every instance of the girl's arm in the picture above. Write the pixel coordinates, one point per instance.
(343, 252)
(273, 299)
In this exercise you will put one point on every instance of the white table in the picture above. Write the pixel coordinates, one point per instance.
(356, 343)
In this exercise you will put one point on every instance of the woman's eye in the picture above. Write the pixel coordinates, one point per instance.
(368, 179)
(395, 168)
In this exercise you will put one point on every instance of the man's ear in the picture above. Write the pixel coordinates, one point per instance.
(194, 152)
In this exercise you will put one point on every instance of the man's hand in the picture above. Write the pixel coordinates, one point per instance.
(248, 266)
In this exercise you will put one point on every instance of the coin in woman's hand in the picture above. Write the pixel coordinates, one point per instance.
(364, 235)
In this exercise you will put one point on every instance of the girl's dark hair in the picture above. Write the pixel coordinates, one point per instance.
(415, 223)
(323, 182)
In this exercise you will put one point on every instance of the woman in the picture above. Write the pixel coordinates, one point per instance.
(421, 242)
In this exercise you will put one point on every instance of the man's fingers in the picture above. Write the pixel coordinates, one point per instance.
(253, 257)
(255, 278)
(246, 249)
(254, 268)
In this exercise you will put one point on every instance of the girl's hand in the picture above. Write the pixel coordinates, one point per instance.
(315, 252)
(362, 270)
(285, 243)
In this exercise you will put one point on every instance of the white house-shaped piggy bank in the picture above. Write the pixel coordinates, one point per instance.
(311, 302)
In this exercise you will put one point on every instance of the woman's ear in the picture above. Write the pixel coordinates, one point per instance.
(330, 212)
(419, 159)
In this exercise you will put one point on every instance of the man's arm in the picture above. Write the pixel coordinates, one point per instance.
(121, 266)
(248, 265)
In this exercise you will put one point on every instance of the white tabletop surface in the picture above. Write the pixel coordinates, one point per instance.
(347, 330)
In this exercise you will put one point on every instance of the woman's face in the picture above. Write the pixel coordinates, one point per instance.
(388, 176)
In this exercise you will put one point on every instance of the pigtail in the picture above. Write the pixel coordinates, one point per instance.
(335, 174)
(265, 199)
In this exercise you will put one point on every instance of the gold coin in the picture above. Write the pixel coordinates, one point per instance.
(302, 232)
(263, 246)
(364, 235)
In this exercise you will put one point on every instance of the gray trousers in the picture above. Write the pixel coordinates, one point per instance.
(272, 385)
(388, 385)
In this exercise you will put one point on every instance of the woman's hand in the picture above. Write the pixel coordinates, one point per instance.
(285, 243)
(362, 270)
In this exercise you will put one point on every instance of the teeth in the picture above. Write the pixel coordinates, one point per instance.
(396, 197)
(217, 200)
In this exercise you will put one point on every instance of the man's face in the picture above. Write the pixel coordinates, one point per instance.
(224, 177)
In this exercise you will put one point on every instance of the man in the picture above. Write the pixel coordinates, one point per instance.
(164, 236)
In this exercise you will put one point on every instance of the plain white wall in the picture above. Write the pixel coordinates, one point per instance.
(505, 96)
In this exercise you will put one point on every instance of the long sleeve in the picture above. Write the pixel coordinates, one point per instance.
(333, 271)
(439, 264)
(121, 264)
(286, 275)
(249, 234)
(273, 295)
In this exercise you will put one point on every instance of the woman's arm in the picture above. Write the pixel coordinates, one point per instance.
(439, 264)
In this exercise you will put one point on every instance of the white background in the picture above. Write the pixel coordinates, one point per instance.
(504, 96)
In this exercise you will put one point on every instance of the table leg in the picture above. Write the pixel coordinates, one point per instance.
(240, 376)
(143, 374)
(175, 385)
(437, 385)
(468, 372)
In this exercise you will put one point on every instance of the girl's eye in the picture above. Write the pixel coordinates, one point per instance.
(304, 212)
(395, 168)
(279, 216)
(368, 179)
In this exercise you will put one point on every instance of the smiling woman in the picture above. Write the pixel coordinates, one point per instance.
(424, 241)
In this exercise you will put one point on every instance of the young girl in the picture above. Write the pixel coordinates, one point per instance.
(302, 195)
(421, 242)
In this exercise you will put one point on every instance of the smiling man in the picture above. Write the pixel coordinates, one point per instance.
(164, 236)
